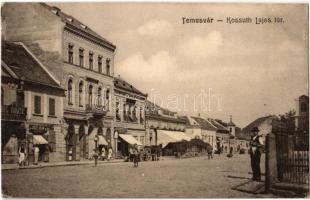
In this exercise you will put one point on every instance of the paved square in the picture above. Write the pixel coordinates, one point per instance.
(192, 177)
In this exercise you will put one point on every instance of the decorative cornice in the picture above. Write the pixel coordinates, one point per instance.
(176, 120)
(135, 94)
(89, 37)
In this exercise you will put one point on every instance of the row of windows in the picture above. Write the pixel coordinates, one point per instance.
(90, 60)
(90, 95)
(129, 113)
(38, 106)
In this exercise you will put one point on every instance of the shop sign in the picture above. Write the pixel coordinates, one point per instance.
(38, 129)
(10, 112)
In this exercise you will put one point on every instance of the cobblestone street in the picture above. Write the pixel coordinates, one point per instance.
(192, 177)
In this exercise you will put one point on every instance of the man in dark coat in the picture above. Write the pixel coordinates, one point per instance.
(256, 147)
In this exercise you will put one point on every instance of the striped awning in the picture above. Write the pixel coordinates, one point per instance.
(101, 140)
(130, 139)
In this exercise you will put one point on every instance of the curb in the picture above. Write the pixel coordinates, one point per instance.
(61, 165)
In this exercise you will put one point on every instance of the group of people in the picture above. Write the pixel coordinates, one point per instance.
(101, 154)
(134, 155)
(22, 156)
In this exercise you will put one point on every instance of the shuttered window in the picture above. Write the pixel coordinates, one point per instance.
(51, 107)
(37, 104)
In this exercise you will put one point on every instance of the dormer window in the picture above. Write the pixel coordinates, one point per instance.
(55, 11)
(69, 19)
(83, 26)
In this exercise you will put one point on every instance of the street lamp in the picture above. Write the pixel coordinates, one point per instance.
(96, 141)
(96, 152)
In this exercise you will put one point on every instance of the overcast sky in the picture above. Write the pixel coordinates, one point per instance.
(250, 70)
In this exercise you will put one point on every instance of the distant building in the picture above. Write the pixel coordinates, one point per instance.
(200, 128)
(242, 141)
(32, 106)
(264, 124)
(222, 135)
(129, 116)
(302, 114)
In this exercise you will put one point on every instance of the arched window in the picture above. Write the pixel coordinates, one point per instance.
(107, 96)
(141, 116)
(134, 115)
(108, 67)
(303, 107)
(99, 100)
(70, 89)
(90, 95)
(81, 94)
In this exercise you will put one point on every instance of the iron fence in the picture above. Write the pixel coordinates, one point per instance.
(293, 158)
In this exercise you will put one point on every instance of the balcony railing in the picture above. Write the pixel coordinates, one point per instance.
(96, 109)
(11, 112)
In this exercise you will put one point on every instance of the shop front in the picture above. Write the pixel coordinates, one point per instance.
(125, 142)
(40, 142)
(13, 132)
(13, 136)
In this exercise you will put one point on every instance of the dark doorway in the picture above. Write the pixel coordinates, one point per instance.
(82, 141)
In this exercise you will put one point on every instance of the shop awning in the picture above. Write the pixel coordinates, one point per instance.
(178, 135)
(102, 141)
(130, 139)
(166, 137)
(39, 139)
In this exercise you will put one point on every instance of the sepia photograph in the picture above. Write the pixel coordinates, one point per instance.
(154, 100)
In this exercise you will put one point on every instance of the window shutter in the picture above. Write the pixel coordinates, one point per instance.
(37, 105)
(52, 107)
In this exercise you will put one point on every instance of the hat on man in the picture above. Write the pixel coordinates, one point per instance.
(255, 129)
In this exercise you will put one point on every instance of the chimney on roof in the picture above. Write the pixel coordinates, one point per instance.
(119, 76)
(230, 118)
(198, 114)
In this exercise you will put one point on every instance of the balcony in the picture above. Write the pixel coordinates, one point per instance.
(12, 112)
(95, 109)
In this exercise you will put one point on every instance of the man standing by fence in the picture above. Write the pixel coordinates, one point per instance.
(256, 145)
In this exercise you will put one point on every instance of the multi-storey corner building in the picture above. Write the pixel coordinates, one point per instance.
(161, 124)
(32, 106)
(81, 59)
(129, 116)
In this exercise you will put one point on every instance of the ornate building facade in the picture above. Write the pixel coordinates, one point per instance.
(129, 116)
(81, 59)
(160, 119)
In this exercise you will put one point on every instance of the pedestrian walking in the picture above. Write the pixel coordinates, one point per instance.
(103, 153)
(110, 154)
(209, 153)
(256, 147)
(96, 155)
(131, 155)
(36, 154)
(136, 156)
(21, 156)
